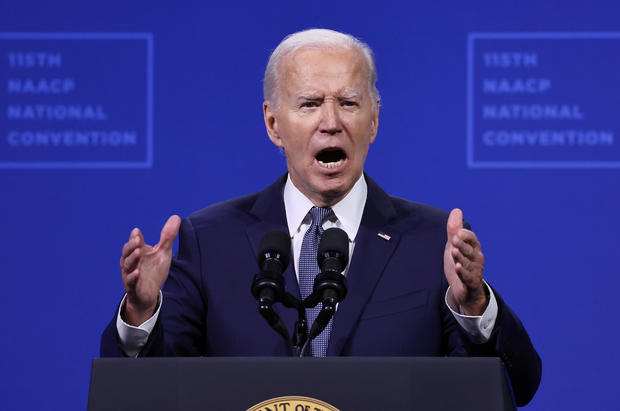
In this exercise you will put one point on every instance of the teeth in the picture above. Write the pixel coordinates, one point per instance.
(333, 164)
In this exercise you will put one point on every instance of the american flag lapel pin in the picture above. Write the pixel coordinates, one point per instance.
(384, 236)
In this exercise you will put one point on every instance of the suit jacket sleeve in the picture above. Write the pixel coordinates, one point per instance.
(183, 308)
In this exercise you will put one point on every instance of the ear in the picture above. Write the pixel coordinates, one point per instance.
(375, 122)
(271, 124)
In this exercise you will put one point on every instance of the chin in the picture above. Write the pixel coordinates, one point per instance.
(333, 189)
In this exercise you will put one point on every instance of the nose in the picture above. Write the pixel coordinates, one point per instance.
(330, 119)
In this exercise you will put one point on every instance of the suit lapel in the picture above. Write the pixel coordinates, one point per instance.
(370, 256)
(271, 215)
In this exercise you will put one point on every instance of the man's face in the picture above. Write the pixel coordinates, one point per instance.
(325, 120)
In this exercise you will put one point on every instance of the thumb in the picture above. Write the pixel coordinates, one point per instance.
(455, 222)
(169, 232)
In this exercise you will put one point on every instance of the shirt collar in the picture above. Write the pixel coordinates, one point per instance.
(348, 211)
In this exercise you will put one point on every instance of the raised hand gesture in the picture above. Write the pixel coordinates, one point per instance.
(463, 263)
(144, 270)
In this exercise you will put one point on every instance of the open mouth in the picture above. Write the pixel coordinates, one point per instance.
(331, 157)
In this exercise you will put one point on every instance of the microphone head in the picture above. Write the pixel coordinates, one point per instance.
(335, 242)
(274, 243)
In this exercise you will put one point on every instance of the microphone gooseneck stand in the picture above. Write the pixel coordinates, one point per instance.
(329, 286)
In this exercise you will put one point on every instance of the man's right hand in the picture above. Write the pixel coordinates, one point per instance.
(144, 269)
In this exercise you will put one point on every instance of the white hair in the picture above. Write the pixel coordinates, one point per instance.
(315, 38)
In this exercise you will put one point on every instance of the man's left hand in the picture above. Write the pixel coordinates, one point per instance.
(463, 263)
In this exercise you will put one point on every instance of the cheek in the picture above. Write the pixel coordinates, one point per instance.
(297, 138)
(297, 154)
(359, 125)
(292, 146)
(362, 136)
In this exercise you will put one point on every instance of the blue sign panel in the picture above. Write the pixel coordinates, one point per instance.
(543, 100)
(76, 100)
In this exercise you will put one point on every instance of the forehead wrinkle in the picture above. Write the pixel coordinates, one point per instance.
(302, 77)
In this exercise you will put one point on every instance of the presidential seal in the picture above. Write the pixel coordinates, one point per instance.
(293, 403)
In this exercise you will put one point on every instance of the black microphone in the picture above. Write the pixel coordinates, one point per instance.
(329, 285)
(273, 258)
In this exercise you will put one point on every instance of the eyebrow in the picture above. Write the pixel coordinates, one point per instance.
(315, 97)
(309, 97)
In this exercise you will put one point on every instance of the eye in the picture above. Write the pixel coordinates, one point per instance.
(309, 104)
(348, 103)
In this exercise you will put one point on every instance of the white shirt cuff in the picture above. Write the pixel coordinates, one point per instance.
(478, 326)
(133, 338)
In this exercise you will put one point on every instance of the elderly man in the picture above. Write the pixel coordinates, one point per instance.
(415, 274)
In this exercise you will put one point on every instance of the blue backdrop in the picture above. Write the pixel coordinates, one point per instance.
(111, 109)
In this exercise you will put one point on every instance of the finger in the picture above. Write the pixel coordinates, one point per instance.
(469, 237)
(129, 246)
(465, 248)
(169, 232)
(455, 222)
(131, 279)
(468, 264)
(470, 278)
(136, 233)
(131, 262)
(135, 240)
(459, 258)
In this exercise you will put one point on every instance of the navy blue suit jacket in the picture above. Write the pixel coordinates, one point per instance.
(394, 307)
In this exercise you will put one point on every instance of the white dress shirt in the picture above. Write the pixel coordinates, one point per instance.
(348, 216)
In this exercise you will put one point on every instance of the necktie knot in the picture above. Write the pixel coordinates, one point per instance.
(319, 216)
